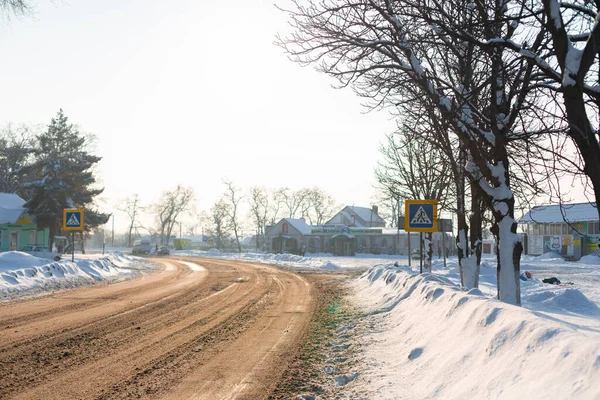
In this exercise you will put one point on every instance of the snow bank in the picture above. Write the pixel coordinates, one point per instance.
(287, 260)
(426, 338)
(590, 259)
(24, 274)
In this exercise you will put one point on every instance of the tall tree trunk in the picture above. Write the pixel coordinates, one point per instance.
(428, 250)
(584, 137)
(81, 235)
(475, 223)
(51, 233)
(508, 243)
(508, 249)
(129, 237)
(466, 261)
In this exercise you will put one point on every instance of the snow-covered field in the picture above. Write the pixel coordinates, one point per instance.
(421, 335)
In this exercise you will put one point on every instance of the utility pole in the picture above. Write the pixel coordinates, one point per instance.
(112, 240)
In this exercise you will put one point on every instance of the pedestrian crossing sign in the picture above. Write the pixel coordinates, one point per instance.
(420, 216)
(72, 219)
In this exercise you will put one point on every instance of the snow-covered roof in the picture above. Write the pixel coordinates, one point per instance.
(11, 208)
(300, 225)
(557, 213)
(11, 200)
(364, 213)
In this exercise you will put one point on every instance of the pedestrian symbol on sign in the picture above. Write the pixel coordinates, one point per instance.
(420, 217)
(73, 221)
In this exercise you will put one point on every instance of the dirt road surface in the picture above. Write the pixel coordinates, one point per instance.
(198, 329)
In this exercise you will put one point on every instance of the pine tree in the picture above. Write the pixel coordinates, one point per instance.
(64, 178)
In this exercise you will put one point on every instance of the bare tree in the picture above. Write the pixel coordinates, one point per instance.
(259, 209)
(277, 204)
(569, 74)
(16, 7)
(413, 168)
(132, 207)
(217, 223)
(295, 201)
(321, 206)
(233, 197)
(16, 151)
(389, 50)
(169, 208)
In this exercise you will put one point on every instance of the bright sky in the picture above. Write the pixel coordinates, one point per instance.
(188, 92)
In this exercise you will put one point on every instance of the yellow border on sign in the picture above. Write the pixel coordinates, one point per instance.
(435, 218)
(69, 228)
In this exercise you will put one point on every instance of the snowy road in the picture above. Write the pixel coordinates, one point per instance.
(196, 329)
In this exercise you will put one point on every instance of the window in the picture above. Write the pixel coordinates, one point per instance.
(566, 229)
(593, 228)
(384, 243)
(556, 229)
(33, 237)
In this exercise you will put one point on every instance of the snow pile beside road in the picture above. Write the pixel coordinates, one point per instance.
(286, 260)
(425, 338)
(24, 274)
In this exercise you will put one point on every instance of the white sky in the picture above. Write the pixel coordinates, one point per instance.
(188, 92)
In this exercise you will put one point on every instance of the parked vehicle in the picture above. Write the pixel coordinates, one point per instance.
(142, 246)
(416, 254)
(163, 251)
(41, 252)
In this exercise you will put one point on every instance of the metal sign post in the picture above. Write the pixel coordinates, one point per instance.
(420, 252)
(444, 247)
(409, 253)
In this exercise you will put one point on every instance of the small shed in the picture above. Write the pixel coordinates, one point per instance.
(571, 230)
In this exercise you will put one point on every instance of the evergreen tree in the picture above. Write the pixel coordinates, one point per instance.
(63, 177)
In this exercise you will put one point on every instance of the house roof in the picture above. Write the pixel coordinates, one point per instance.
(300, 225)
(11, 208)
(11, 200)
(364, 213)
(557, 213)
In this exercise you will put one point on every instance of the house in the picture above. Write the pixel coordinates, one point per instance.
(352, 230)
(17, 228)
(571, 230)
(287, 236)
(362, 217)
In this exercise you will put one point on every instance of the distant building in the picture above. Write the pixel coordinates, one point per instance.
(358, 216)
(571, 230)
(17, 227)
(352, 230)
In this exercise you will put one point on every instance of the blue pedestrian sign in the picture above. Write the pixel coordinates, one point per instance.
(420, 215)
(72, 219)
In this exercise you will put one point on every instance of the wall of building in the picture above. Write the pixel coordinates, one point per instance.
(26, 234)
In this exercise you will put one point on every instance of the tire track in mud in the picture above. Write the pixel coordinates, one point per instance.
(141, 339)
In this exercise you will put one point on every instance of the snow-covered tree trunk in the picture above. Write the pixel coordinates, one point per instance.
(476, 236)
(427, 251)
(469, 273)
(509, 249)
(508, 243)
